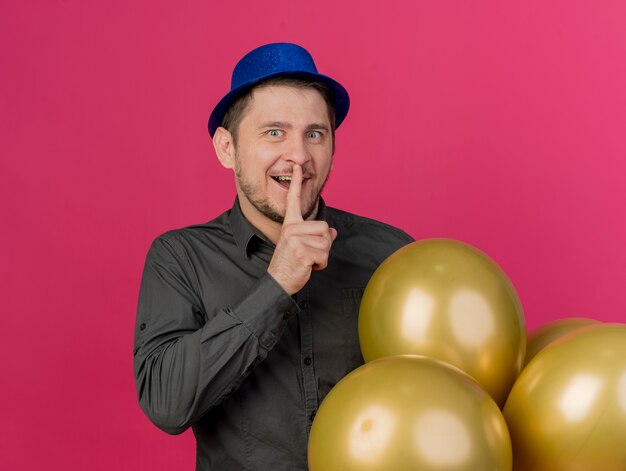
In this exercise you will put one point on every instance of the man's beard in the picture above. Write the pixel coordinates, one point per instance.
(264, 205)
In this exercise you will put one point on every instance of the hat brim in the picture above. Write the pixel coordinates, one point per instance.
(341, 98)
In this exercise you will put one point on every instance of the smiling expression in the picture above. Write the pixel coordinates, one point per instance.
(282, 126)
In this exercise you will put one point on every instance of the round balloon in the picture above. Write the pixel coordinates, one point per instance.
(408, 412)
(567, 410)
(447, 300)
(542, 336)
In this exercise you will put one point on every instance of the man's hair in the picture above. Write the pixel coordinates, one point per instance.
(234, 114)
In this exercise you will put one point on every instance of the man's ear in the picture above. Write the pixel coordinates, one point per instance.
(224, 147)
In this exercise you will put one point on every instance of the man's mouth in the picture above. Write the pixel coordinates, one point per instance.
(283, 180)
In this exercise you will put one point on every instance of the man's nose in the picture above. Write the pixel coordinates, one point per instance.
(297, 152)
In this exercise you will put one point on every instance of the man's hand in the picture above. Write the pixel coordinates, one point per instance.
(303, 245)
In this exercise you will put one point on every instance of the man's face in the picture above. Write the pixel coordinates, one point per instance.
(282, 126)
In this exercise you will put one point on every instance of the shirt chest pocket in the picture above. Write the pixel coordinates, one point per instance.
(350, 302)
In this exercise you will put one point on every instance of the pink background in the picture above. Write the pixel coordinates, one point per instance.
(499, 124)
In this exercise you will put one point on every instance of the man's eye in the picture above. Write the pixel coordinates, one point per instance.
(274, 133)
(314, 134)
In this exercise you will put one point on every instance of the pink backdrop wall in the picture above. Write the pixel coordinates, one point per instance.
(499, 124)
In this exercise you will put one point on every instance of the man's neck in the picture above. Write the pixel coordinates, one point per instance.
(266, 226)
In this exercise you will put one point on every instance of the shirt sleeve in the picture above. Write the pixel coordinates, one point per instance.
(185, 364)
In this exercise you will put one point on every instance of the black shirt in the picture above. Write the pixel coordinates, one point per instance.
(221, 347)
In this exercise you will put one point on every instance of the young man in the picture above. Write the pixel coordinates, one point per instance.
(245, 323)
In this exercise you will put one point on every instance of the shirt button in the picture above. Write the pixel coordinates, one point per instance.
(308, 361)
(304, 304)
(142, 326)
(285, 316)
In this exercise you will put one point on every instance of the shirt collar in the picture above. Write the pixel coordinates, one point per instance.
(245, 233)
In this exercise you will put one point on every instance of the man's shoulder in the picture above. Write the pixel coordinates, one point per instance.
(218, 227)
(364, 225)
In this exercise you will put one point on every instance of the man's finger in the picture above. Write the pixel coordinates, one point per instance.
(293, 213)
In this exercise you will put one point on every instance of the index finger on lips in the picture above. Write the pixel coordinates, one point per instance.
(293, 213)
